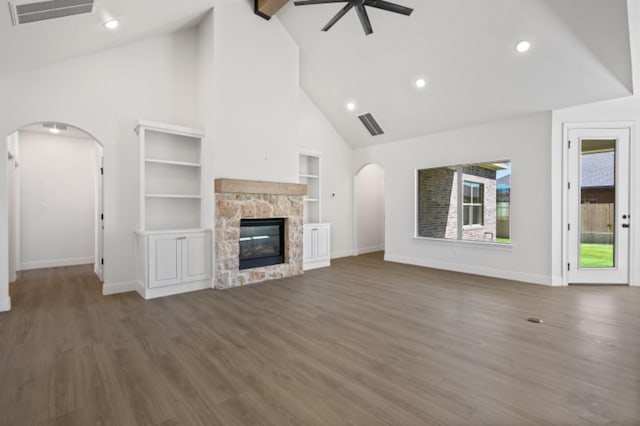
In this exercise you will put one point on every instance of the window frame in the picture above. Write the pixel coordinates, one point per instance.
(461, 228)
(472, 224)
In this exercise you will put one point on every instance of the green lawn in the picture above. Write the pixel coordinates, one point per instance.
(596, 256)
(503, 240)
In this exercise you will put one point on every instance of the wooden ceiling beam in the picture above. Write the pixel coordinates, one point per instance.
(268, 8)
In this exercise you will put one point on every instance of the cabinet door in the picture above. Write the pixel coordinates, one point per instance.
(323, 244)
(196, 257)
(308, 251)
(165, 260)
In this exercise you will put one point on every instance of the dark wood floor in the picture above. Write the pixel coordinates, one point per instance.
(363, 342)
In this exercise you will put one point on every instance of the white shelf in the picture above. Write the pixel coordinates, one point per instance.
(172, 163)
(171, 231)
(309, 174)
(170, 183)
(175, 196)
(169, 128)
(171, 147)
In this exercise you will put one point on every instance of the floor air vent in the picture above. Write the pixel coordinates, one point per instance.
(27, 11)
(371, 124)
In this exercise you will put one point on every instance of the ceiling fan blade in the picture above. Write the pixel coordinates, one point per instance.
(390, 7)
(364, 19)
(309, 2)
(338, 16)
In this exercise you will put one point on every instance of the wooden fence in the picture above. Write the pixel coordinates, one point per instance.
(598, 221)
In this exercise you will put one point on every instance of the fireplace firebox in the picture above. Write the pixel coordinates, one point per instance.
(261, 242)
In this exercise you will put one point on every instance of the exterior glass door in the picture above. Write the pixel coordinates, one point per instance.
(598, 206)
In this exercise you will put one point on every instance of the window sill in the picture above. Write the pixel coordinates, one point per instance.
(484, 244)
(472, 227)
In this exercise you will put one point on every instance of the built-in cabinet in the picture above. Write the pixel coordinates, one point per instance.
(317, 236)
(316, 245)
(174, 251)
(178, 258)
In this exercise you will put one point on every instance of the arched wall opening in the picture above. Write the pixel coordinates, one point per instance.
(55, 198)
(369, 208)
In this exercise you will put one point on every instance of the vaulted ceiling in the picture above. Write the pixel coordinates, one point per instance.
(465, 49)
(35, 44)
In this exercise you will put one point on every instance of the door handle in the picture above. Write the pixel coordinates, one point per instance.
(626, 225)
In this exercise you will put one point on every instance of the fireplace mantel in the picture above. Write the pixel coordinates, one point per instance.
(238, 186)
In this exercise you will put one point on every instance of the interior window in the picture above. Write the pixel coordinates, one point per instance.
(465, 202)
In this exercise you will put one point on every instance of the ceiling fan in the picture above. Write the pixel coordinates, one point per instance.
(359, 5)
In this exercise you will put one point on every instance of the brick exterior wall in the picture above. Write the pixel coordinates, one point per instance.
(487, 177)
(438, 203)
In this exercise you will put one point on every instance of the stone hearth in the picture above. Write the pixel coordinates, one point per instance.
(240, 199)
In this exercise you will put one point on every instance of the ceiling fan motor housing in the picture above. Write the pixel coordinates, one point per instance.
(360, 7)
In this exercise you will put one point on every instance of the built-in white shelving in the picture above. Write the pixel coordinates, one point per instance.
(309, 174)
(170, 177)
(173, 163)
(194, 197)
(173, 251)
(316, 246)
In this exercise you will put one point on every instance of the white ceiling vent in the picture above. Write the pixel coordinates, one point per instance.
(27, 11)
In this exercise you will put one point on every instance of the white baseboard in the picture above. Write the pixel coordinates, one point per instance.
(309, 266)
(140, 288)
(5, 304)
(366, 250)
(154, 293)
(117, 288)
(42, 264)
(557, 281)
(475, 270)
(98, 271)
(343, 253)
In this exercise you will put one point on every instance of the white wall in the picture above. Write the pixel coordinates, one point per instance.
(99, 210)
(13, 178)
(370, 209)
(12, 199)
(205, 101)
(318, 134)
(626, 110)
(58, 176)
(525, 141)
(105, 94)
(253, 120)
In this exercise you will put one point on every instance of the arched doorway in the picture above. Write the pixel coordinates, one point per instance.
(369, 207)
(55, 203)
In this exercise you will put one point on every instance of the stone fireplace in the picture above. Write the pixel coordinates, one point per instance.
(238, 200)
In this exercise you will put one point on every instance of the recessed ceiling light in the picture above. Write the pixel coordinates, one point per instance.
(523, 46)
(351, 106)
(112, 24)
(421, 83)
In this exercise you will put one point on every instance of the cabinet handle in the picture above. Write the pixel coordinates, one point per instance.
(182, 238)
